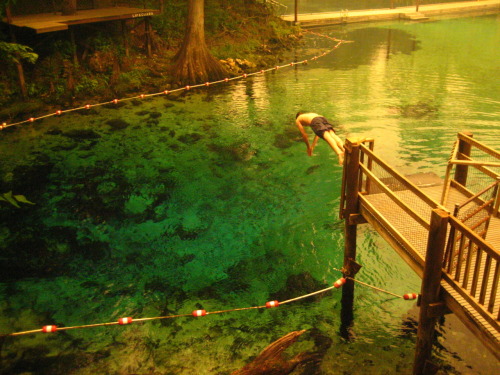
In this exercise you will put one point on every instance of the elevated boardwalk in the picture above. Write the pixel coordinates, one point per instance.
(409, 13)
(447, 230)
(50, 22)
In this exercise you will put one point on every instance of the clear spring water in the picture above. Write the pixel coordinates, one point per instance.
(209, 200)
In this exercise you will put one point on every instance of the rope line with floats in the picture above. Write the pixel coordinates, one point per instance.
(200, 313)
(59, 112)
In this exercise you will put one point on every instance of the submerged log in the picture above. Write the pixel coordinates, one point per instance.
(271, 361)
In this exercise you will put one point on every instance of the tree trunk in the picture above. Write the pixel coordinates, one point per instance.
(68, 7)
(19, 66)
(194, 62)
(22, 81)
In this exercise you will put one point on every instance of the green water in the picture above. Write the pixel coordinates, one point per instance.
(208, 200)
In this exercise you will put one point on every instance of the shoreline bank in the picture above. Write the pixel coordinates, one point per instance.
(406, 13)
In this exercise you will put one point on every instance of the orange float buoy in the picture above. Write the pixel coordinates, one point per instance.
(198, 313)
(339, 282)
(410, 296)
(272, 304)
(49, 329)
(123, 321)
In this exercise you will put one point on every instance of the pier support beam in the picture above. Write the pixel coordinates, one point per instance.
(351, 184)
(296, 13)
(464, 150)
(430, 293)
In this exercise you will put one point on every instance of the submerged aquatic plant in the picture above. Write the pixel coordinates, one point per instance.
(14, 199)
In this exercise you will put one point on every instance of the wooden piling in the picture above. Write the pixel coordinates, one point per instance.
(464, 150)
(350, 212)
(125, 37)
(296, 12)
(430, 299)
(148, 35)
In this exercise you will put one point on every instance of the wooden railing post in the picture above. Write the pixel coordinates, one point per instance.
(351, 176)
(462, 170)
(430, 302)
(296, 13)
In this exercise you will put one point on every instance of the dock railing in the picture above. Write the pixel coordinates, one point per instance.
(477, 169)
(276, 6)
(472, 267)
(452, 252)
(399, 195)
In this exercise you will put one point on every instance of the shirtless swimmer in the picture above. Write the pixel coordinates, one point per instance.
(322, 129)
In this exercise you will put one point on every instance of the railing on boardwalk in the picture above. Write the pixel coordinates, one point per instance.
(401, 212)
(472, 267)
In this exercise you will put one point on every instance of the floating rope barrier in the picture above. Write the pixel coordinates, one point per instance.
(197, 313)
(59, 112)
(407, 296)
(201, 313)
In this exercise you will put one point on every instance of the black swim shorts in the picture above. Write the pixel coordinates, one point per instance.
(320, 125)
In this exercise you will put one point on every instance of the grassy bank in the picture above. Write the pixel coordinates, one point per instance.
(100, 67)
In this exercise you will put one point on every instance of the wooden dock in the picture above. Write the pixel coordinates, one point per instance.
(50, 22)
(447, 231)
(406, 13)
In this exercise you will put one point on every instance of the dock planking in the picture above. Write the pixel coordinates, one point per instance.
(457, 257)
(414, 248)
(50, 22)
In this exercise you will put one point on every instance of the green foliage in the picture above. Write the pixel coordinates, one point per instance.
(14, 199)
(20, 109)
(63, 47)
(279, 29)
(170, 24)
(234, 28)
(87, 85)
(7, 91)
(3, 6)
(16, 53)
(101, 42)
(133, 79)
(219, 19)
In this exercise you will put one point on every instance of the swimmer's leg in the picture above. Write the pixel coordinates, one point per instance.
(335, 143)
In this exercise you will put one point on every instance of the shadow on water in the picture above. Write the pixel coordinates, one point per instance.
(367, 46)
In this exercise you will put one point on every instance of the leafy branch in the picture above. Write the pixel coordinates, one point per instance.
(15, 53)
(14, 199)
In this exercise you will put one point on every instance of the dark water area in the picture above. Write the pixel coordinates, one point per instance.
(208, 200)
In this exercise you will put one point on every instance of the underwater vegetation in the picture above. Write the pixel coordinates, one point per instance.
(419, 110)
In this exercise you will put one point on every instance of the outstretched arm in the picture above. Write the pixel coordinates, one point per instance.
(304, 137)
(315, 141)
